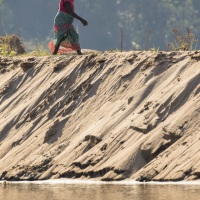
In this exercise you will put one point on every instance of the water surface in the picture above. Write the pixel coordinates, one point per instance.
(78, 190)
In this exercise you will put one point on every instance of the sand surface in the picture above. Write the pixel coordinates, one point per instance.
(103, 116)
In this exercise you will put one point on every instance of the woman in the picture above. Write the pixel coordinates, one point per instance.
(66, 38)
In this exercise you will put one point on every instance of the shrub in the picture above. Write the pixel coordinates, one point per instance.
(183, 43)
(11, 45)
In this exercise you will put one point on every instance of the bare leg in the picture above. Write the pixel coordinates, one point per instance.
(56, 49)
(79, 52)
(58, 45)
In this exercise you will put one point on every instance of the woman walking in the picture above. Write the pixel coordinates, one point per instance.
(66, 38)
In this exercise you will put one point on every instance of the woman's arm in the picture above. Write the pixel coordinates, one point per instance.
(69, 10)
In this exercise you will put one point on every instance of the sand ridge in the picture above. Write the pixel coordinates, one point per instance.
(107, 116)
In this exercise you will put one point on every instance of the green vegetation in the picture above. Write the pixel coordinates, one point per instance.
(159, 16)
(5, 48)
(11, 45)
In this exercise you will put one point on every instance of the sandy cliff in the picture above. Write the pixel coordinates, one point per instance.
(108, 116)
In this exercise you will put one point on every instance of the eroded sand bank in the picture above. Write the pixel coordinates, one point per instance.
(110, 116)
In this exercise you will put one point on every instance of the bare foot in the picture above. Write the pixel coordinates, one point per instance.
(79, 52)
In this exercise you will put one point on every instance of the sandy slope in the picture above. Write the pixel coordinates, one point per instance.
(108, 116)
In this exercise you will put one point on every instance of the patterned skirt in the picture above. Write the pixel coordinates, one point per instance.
(63, 29)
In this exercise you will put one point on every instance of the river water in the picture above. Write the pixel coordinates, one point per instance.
(79, 190)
